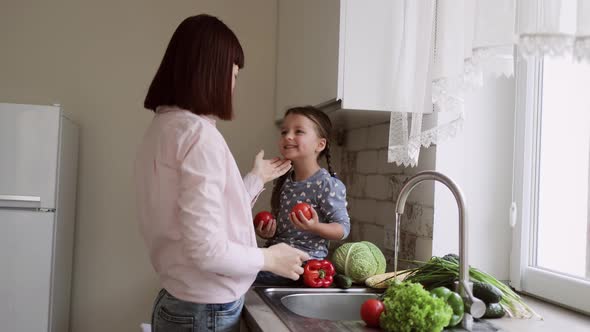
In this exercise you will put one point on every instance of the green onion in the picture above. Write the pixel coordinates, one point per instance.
(445, 271)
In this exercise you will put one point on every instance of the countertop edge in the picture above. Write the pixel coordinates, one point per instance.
(259, 316)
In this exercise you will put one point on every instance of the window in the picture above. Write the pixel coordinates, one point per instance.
(551, 186)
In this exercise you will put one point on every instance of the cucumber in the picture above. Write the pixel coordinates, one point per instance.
(451, 258)
(494, 310)
(486, 292)
(342, 281)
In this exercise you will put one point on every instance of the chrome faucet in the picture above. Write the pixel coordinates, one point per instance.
(474, 307)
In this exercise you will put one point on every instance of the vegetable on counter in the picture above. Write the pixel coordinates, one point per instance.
(409, 307)
(488, 293)
(453, 300)
(359, 260)
(382, 280)
(494, 310)
(342, 281)
(371, 310)
(445, 271)
(318, 273)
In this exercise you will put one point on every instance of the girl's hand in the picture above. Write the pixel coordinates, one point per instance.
(270, 169)
(303, 223)
(266, 230)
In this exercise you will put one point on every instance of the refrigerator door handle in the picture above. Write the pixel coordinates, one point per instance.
(20, 198)
(20, 201)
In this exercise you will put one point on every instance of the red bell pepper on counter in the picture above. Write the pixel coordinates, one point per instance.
(318, 273)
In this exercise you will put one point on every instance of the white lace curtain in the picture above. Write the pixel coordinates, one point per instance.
(446, 47)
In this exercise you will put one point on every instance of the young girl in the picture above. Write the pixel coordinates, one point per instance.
(305, 134)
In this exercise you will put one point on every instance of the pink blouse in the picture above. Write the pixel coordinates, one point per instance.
(195, 210)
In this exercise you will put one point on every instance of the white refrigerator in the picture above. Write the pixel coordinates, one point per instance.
(38, 173)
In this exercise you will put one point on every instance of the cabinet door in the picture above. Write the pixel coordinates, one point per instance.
(369, 57)
(307, 53)
(26, 239)
(29, 144)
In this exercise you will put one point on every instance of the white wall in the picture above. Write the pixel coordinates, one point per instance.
(97, 59)
(479, 160)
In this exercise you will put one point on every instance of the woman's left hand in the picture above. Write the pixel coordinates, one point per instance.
(300, 222)
(270, 169)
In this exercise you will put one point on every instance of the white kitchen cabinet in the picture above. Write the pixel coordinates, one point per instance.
(336, 50)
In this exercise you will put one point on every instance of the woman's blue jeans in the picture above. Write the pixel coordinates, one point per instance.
(174, 315)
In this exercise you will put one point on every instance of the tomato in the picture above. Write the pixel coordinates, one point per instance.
(303, 207)
(263, 216)
(370, 312)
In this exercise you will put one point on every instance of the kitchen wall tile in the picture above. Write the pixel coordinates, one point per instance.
(365, 210)
(357, 139)
(378, 136)
(378, 187)
(366, 162)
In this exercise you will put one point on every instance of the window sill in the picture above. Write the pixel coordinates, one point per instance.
(555, 318)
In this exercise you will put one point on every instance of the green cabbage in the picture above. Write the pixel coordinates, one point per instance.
(359, 260)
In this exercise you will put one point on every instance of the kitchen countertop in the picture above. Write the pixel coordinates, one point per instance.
(261, 318)
(555, 318)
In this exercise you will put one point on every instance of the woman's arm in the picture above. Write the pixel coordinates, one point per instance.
(254, 186)
(201, 204)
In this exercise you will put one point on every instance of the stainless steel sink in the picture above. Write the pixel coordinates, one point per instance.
(318, 309)
(328, 305)
(328, 309)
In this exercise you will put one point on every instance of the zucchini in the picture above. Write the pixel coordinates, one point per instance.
(342, 281)
(494, 310)
(486, 292)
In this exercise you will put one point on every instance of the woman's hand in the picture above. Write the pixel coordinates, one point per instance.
(284, 260)
(270, 169)
(300, 222)
(266, 230)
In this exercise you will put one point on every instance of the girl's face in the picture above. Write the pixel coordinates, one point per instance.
(299, 138)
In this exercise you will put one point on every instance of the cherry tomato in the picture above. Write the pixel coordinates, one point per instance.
(263, 216)
(370, 312)
(303, 207)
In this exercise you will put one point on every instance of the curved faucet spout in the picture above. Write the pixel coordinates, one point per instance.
(436, 176)
(476, 306)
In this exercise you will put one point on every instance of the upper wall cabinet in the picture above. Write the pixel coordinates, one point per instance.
(335, 50)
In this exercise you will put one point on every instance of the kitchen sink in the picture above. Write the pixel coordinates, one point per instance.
(328, 305)
(318, 309)
(329, 309)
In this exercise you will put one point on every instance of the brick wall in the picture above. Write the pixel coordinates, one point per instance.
(372, 188)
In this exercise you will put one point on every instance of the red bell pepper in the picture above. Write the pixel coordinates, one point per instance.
(318, 273)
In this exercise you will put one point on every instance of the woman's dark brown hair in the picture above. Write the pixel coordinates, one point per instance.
(197, 68)
(323, 127)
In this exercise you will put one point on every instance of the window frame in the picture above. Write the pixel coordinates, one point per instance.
(559, 288)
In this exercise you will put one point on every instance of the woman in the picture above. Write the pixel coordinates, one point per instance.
(194, 208)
